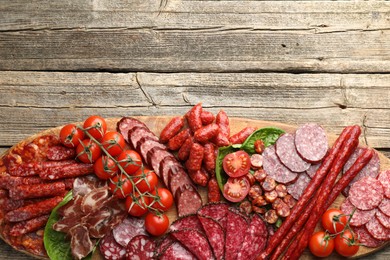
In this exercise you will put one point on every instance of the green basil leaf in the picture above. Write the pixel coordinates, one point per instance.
(219, 172)
(268, 135)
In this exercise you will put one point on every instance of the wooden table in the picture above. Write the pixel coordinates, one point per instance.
(292, 62)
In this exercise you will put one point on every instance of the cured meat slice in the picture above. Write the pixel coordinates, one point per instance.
(255, 239)
(155, 157)
(110, 249)
(195, 241)
(385, 206)
(313, 169)
(235, 233)
(366, 194)
(296, 189)
(128, 229)
(166, 165)
(95, 199)
(147, 145)
(365, 238)
(311, 142)
(175, 251)
(72, 208)
(80, 242)
(126, 124)
(188, 200)
(288, 155)
(360, 217)
(138, 135)
(163, 243)
(177, 178)
(275, 169)
(97, 223)
(384, 178)
(383, 219)
(217, 211)
(84, 185)
(187, 222)
(140, 247)
(215, 234)
(377, 230)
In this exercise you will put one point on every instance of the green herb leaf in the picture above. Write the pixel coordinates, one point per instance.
(268, 135)
(219, 172)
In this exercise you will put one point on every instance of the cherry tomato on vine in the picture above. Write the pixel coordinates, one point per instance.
(105, 168)
(237, 164)
(114, 143)
(165, 200)
(346, 244)
(236, 189)
(121, 187)
(88, 151)
(130, 160)
(71, 136)
(321, 244)
(96, 126)
(156, 225)
(334, 221)
(137, 206)
(147, 180)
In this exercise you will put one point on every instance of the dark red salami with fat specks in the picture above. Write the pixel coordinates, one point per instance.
(215, 234)
(377, 230)
(128, 229)
(366, 194)
(383, 219)
(140, 247)
(195, 241)
(365, 238)
(110, 249)
(126, 124)
(177, 178)
(311, 142)
(166, 165)
(155, 157)
(163, 243)
(384, 178)
(147, 146)
(255, 239)
(187, 222)
(385, 206)
(176, 251)
(275, 169)
(138, 135)
(217, 211)
(188, 200)
(288, 155)
(296, 189)
(313, 169)
(360, 217)
(236, 228)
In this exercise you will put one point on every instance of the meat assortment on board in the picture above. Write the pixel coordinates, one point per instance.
(258, 193)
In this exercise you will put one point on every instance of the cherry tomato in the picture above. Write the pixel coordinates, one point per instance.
(321, 244)
(71, 136)
(88, 151)
(105, 168)
(236, 189)
(114, 143)
(121, 186)
(137, 206)
(130, 160)
(334, 221)
(165, 200)
(237, 164)
(346, 243)
(147, 180)
(96, 126)
(156, 225)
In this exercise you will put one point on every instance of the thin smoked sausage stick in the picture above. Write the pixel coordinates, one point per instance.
(307, 194)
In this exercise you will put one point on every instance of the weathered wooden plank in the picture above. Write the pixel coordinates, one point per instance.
(333, 100)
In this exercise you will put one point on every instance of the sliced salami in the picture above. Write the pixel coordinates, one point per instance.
(177, 178)
(311, 142)
(296, 189)
(365, 238)
(383, 219)
(360, 217)
(176, 251)
(110, 249)
(163, 243)
(385, 206)
(313, 169)
(235, 233)
(126, 124)
(275, 169)
(255, 239)
(155, 157)
(217, 211)
(366, 194)
(188, 200)
(377, 230)
(166, 165)
(128, 229)
(195, 241)
(187, 222)
(139, 134)
(140, 247)
(147, 145)
(384, 178)
(288, 155)
(215, 234)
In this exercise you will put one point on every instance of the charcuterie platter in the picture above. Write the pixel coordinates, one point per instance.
(156, 124)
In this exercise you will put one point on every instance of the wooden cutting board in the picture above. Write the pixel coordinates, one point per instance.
(157, 123)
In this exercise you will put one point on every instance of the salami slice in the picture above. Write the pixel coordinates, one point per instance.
(215, 234)
(139, 133)
(166, 165)
(383, 219)
(188, 200)
(187, 222)
(217, 211)
(385, 206)
(147, 145)
(384, 178)
(377, 230)
(235, 233)
(163, 243)
(296, 189)
(275, 169)
(288, 155)
(155, 157)
(255, 239)
(313, 169)
(311, 142)
(195, 241)
(365, 238)
(360, 217)
(126, 124)
(140, 247)
(128, 229)
(110, 249)
(366, 194)
(176, 251)
(177, 178)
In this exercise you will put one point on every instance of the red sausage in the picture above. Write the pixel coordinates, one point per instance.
(67, 171)
(177, 141)
(37, 190)
(194, 162)
(171, 129)
(28, 226)
(222, 120)
(207, 117)
(184, 150)
(199, 177)
(209, 158)
(194, 117)
(60, 153)
(213, 193)
(205, 133)
(241, 136)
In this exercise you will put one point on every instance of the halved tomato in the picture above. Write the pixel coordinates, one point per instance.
(237, 164)
(236, 189)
